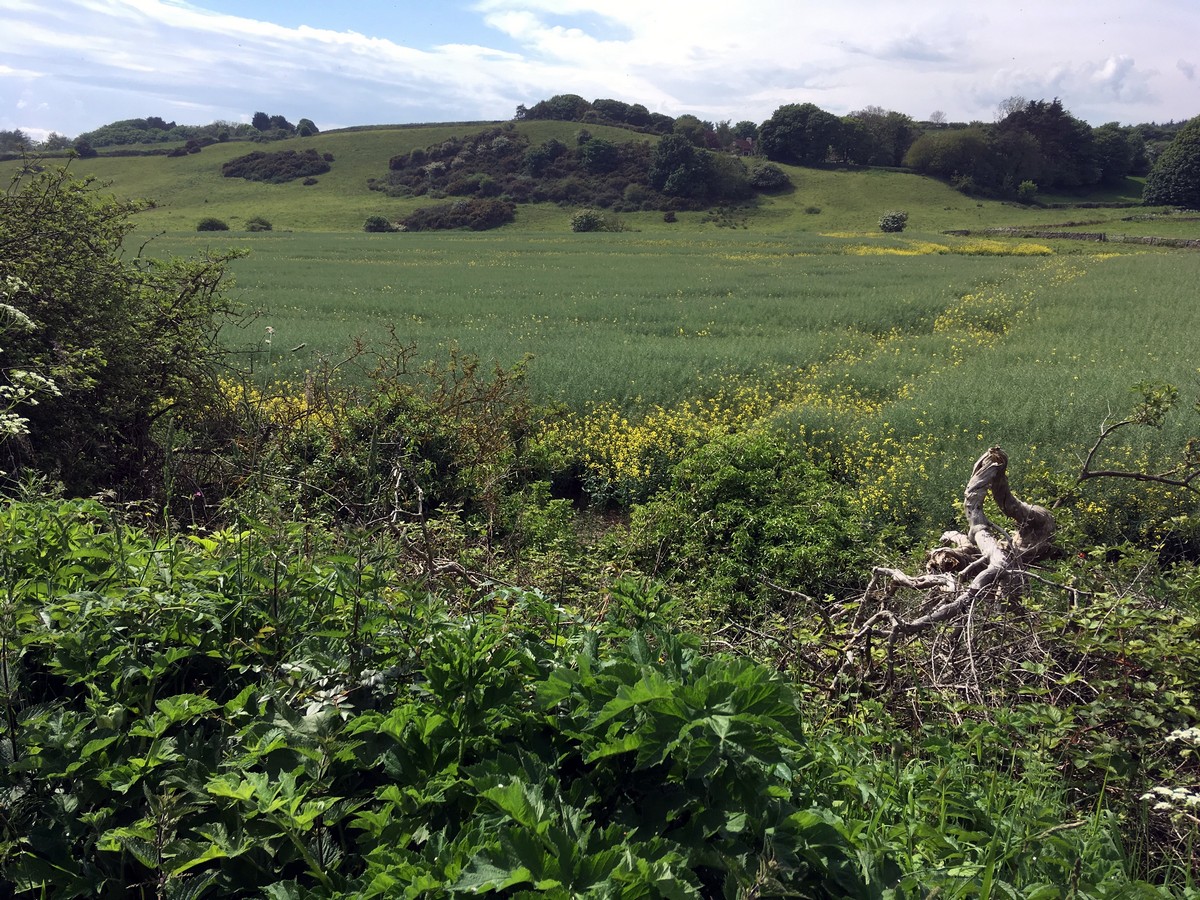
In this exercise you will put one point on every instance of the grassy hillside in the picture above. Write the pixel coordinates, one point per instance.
(187, 189)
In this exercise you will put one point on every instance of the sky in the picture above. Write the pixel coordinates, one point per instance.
(70, 66)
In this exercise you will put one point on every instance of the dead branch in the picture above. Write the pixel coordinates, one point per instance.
(968, 567)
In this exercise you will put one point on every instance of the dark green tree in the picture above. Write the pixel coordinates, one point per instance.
(1175, 178)
(130, 342)
(561, 107)
(1068, 152)
(680, 169)
(891, 134)
(307, 128)
(1114, 152)
(261, 121)
(800, 134)
(15, 141)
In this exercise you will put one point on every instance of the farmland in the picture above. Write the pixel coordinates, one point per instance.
(940, 343)
(587, 618)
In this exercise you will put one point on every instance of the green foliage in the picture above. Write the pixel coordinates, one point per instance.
(277, 167)
(378, 224)
(594, 220)
(800, 134)
(258, 223)
(211, 223)
(744, 511)
(132, 343)
(265, 712)
(893, 221)
(1175, 178)
(769, 177)
(475, 214)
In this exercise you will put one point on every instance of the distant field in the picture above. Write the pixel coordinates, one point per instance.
(901, 356)
(898, 356)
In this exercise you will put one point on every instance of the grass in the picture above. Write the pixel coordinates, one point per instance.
(904, 354)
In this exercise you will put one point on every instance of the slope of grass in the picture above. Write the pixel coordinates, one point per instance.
(189, 188)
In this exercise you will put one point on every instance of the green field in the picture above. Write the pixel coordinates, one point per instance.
(920, 348)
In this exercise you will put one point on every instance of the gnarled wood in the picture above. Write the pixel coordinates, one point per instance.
(970, 565)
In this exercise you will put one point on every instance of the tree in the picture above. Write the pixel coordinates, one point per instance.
(890, 133)
(14, 141)
(680, 169)
(1066, 145)
(279, 123)
(1114, 152)
(307, 128)
(1175, 178)
(130, 343)
(261, 121)
(800, 134)
(55, 141)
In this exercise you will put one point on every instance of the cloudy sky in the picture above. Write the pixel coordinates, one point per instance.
(73, 65)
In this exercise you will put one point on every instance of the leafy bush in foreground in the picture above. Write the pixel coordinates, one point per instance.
(266, 712)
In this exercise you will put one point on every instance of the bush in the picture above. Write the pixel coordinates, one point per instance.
(258, 223)
(742, 509)
(893, 221)
(1027, 192)
(477, 214)
(378, 224)
(812, 210)
(211, 224)
(277, 167)
(594, 220)
(132, 345)
(769, 177)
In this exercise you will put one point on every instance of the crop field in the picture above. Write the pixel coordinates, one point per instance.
(897, 357)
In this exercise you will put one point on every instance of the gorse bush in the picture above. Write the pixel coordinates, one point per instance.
(277, 167)
(211, 223)
(594, 220)
(258, 223)
(742, 512)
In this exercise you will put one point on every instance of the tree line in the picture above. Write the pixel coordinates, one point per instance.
(156, 130)
(1033, 144)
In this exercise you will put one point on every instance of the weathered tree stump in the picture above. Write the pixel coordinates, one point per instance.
(984, 561)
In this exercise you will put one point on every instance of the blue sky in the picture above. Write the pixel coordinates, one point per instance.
(73, 65)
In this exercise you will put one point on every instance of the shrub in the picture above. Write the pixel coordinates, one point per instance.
(277, 167)
(211, 224)
(893, 221)
(812, 210)
(378, 224)
(594, 220)
(669, 216)
(769, 177)
(478, 214)
(131, 344)
(258, 223)
(742, 509)
(1027, 192)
